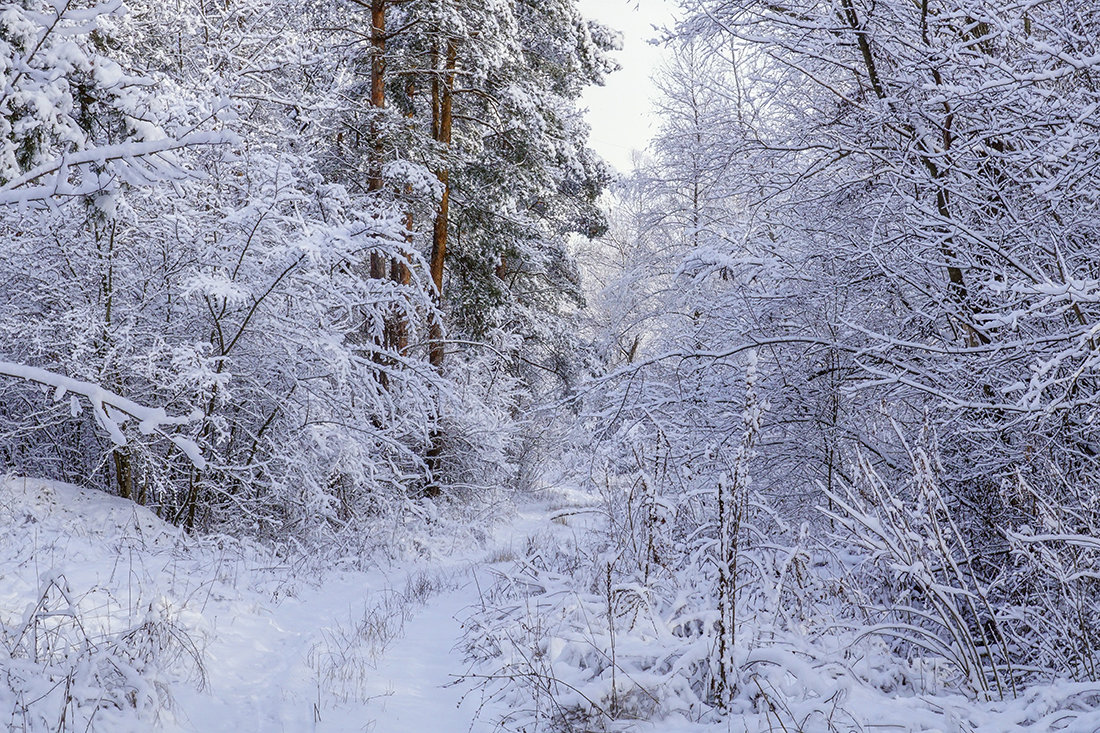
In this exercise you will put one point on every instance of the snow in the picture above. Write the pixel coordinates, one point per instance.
(284, 646)
(295, 665)
(123, 155)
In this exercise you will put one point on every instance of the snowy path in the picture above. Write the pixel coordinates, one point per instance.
(304, 664)
(281, 651)
(415, 682)
(287, 669)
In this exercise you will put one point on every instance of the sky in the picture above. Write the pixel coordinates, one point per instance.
(621, 112)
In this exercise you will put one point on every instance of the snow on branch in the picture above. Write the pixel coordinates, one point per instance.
(15, 192)
(51, 59)
(150, 420)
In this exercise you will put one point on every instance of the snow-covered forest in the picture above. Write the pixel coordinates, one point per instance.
(344, 387)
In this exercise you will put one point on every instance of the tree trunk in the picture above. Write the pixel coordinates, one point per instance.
(124, 472)
(442, 106)
(378, 103)
(442, 103)
(398, 336)
(191, 504)
(377, 85)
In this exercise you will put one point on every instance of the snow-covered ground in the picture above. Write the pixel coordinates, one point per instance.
(245, 641)
(112, 620)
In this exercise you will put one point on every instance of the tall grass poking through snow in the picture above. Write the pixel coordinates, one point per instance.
(344, 659)
(101, 609)
(65, 673)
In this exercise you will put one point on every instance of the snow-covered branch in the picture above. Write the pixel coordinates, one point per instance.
(57, 171)
(104, 403)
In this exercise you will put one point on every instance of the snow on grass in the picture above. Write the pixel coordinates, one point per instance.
(564, 652)
(112, 620)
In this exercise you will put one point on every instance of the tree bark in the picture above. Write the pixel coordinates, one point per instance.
(442, 119)
(398, 329)
(124, 472)
(378, 103)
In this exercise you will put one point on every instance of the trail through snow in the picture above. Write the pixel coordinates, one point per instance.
(376, 651)
(340, 651)
(289, 668)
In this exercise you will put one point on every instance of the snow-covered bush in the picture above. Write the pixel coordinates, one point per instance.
(918, 573)
(74, 121)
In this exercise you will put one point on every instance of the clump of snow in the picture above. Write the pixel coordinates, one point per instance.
(110, 410)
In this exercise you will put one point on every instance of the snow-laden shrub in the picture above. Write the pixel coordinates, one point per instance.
(882, 619)
(1054, 584)
(574, 637)
(917, 570)
(1024, 614)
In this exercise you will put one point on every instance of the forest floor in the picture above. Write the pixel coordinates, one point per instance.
(247, 641)
(112, 620)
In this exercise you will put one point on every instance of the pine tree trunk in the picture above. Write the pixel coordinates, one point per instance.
(378, 103)
(398, 336)
(442, 118)
(377, 86)
(442, 101)
(398, 331)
